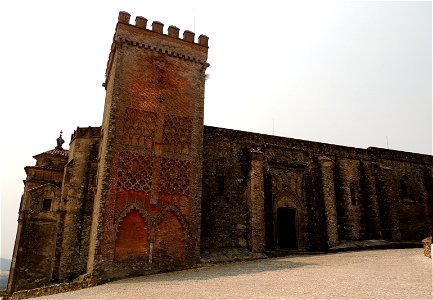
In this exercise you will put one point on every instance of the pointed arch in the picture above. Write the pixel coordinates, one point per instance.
(171, 234)
(148, 218)
(287, 199)
(132, 236)
(288, 219)
(171, 207)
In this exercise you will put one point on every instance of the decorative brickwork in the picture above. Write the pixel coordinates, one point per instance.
(132, 240)
(175, 177)
(170, 238)
(151, 152)
(139, 127)
(135, 172)
(176, 136)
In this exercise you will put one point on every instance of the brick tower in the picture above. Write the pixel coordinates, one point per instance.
(147, 206)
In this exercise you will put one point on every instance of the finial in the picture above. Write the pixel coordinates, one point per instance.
(60, 141)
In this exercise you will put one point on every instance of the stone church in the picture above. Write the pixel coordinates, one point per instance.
(153, 188)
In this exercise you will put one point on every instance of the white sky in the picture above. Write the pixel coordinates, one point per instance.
(348, 73)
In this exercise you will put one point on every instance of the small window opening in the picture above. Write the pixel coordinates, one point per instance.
(403, 187)
(67, 176)
(46, 206)
(48, 162)
(220, 185)
(352, 194)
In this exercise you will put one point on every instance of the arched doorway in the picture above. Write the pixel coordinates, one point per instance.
(286, 228)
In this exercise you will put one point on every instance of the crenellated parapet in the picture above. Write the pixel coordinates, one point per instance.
(173, 31)
(155, 39)
(86, 132)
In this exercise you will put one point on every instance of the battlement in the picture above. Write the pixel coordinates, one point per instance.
(158, 27)
(154, 39)
(86, 132)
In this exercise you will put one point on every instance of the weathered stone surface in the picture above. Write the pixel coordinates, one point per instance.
(152, 189)
(427, 246)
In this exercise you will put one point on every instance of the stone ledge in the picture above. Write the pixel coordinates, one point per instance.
(81, 282)
(373, 244)
(229, 255)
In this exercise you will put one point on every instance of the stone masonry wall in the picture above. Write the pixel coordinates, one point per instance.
(224, 218)
(77, 194)
(152, 186)
(345, 193)
(34, 260)
(411, 204)
(351, 198)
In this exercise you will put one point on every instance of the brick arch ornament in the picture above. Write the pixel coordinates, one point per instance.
(132, 234)
(172, 235)
(289, 200)
(170, 207)
(149, 219)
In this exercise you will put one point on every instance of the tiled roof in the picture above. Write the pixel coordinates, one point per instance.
(54, 152)
(57, 152)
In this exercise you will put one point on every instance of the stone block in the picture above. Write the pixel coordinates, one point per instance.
(427, 246)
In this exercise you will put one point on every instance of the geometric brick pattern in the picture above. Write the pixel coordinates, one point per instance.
(135, 172)
(175, 177)
(176, 136)
(139, 127)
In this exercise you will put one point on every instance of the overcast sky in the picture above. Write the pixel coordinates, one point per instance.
(348, 73)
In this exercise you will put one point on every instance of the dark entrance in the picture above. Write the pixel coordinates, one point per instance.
(286, 226)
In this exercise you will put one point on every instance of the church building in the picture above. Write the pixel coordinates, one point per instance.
(152, 188)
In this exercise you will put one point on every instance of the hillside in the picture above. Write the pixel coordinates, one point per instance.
(5, 264)
(3, 279)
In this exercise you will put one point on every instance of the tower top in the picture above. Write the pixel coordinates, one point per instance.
(154, 39)
(158, 27)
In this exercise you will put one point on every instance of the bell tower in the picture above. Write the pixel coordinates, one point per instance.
(147, 205)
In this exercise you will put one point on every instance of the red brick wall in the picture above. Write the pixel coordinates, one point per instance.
(132, 237)
(170, 239)
(151, 153)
